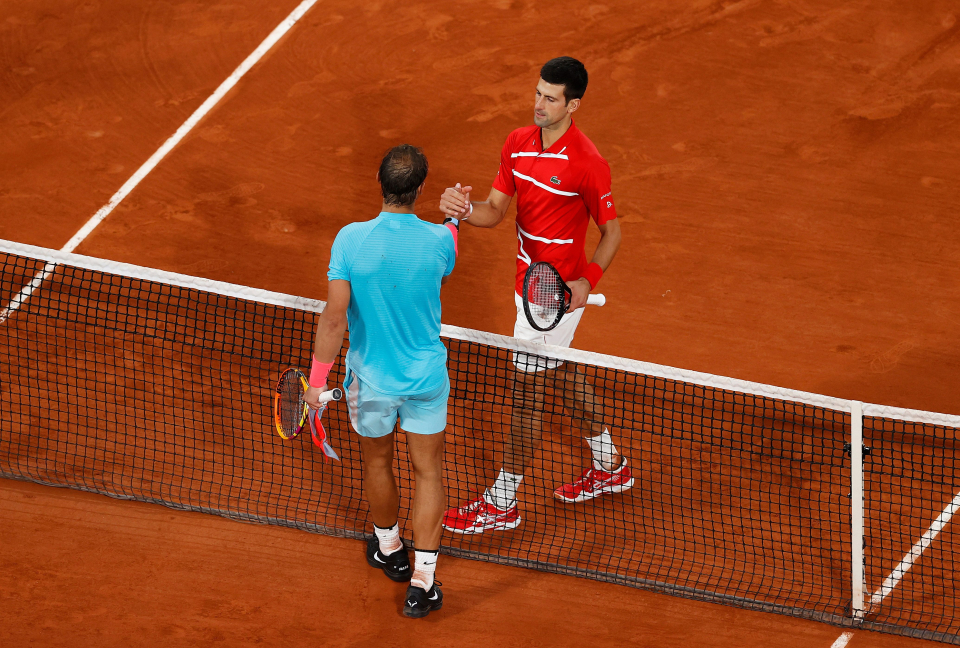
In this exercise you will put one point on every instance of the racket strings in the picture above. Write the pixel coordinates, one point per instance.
(291, 404)
(544, 294)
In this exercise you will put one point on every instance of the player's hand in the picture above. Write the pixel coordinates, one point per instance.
(580, 290)
(311, 396)
(455, 201)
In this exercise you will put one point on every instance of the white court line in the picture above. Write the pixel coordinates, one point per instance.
(925, 540)
(842, 640)
(26, 291)
(188, 125)
(161, 153)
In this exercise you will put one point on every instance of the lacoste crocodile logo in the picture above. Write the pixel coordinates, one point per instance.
(555, 180)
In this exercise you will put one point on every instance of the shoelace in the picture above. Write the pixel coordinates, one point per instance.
(472, 506)
(587, 475)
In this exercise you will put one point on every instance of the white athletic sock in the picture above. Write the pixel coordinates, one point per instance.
(389, 539)
(425, 565)
(503, 492)
(604, 451)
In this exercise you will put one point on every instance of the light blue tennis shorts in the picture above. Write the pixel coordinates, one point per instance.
(374, 415)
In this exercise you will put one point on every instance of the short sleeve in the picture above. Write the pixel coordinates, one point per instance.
(596, 193)
(339, 259)
(504, 181)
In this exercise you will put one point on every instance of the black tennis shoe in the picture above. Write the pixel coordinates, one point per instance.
(396, 566)
(419, 603)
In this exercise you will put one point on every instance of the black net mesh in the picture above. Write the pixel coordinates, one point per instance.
(149, 391)
(911, 484)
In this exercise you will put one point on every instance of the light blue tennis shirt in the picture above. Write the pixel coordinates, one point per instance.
(394, 264)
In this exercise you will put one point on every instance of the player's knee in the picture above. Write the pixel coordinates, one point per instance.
(428, 470)
(377, 455)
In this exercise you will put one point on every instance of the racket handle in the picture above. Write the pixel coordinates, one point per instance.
(596, 300)
(332, 395)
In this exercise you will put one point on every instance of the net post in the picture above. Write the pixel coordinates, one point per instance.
(856, 509)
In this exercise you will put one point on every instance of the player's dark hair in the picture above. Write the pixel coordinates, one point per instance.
(402, 171)
(568, 72)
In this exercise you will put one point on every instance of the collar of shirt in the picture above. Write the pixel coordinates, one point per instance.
(561, 143)
(394, 215)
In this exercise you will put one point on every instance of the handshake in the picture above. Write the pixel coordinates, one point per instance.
(455, 205)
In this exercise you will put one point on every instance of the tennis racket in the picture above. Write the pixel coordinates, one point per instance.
(546, 297)
(290, 412)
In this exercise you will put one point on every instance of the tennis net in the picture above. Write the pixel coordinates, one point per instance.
(147, 385)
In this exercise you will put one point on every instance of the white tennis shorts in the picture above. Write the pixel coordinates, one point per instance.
(562, 335)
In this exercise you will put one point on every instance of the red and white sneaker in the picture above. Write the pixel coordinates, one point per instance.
(594, 482)
(478, 516)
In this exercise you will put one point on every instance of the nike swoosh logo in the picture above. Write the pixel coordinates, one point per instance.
(376, 557)
(434, 597)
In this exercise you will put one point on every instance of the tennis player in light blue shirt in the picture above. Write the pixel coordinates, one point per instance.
(384, 285)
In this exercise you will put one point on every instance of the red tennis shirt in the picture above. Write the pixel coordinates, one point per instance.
(558, 191)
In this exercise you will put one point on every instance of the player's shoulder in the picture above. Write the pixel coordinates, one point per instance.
(519, 136)
(352, 235)
(430, 237)
(434, 230)
(587, 150)
(351, 230)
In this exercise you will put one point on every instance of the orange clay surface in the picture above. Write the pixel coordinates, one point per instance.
(84, 570)
(785, 173)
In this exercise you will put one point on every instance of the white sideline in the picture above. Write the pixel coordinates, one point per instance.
(26, 291)
(188, 125)
(921, 545)
(148, 166)
(842, 640)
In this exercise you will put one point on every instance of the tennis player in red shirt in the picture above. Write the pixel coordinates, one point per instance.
(561, 182)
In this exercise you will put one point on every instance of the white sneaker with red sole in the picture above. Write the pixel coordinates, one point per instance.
(594, 482)
(478, 516)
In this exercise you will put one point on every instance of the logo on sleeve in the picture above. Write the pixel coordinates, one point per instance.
(609, 204)
(555, 180)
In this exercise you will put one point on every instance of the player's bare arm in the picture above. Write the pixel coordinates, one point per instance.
(455, 202)
(330, 331)
(610, 237)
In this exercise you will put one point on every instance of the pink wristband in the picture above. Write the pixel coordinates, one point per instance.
(319, 372)
(593, 274)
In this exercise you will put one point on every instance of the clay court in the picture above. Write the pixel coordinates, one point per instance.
(786, 181)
